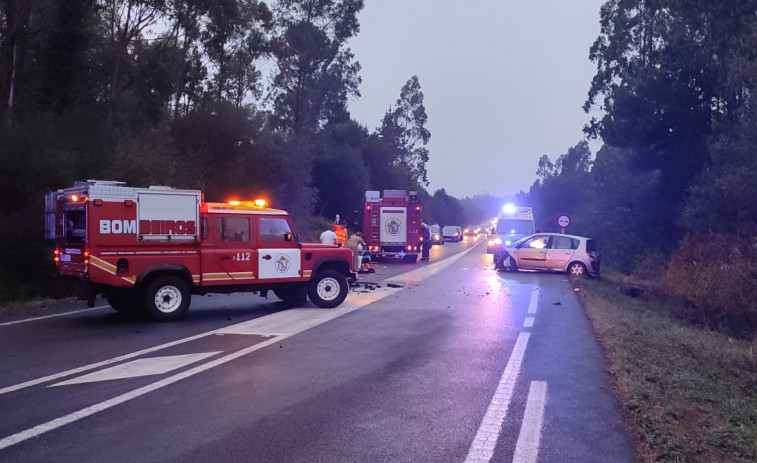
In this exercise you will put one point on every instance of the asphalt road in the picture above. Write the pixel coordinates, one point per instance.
(445, 361)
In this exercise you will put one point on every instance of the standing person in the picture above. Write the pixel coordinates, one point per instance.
(356, 245)
(328, 237)
(426, 244)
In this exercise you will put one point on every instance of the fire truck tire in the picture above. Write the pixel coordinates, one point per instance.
(167, 298)
(328, 289)
(294, 294)
(123, 300)
(412, 258)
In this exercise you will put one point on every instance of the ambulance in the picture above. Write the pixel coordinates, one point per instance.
(513, 223)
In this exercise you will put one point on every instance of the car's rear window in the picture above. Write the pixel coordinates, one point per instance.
(590, 246)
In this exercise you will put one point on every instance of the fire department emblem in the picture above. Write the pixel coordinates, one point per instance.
(393, 226)
(282, 264)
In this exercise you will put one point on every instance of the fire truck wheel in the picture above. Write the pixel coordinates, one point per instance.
(167, 298)
(294, 294)
(123, 300)
(328, 289)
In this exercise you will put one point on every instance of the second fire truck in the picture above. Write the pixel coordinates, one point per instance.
(392, 224)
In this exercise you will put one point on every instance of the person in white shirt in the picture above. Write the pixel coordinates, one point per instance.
(328, 237)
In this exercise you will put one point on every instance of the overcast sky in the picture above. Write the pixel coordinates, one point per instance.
(503, 81)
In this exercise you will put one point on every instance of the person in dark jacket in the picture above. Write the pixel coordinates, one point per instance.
(426, 244)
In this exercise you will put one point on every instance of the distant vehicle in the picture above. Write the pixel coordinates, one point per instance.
(513, 223)
(436, 234)
(551, 252)
(471, 230)
(452, 233)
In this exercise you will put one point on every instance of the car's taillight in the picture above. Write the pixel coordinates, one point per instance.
(57, 255)
(591, 254)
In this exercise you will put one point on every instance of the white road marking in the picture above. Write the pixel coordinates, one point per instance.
(249, 329)
(528, 322)
(534, 301)
(53, 315)
(93, 366)
(85, 412)
(527, 448)
(482, 448)
(141, 367)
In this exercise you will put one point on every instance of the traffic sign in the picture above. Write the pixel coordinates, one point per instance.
(563, 221)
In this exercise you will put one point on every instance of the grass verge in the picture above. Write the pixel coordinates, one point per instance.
(689, 395)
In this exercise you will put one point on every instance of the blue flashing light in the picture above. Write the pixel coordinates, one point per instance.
(508, 208)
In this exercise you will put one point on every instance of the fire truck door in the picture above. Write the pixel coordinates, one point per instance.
(235, 257)
(279, 254)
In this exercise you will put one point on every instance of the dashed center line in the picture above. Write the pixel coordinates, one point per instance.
(534, 301)
(482, 448)
(527, 448)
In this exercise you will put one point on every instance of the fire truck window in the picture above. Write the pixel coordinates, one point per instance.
(273, 229)
(76, 226)
(204, 228)
(233, 229)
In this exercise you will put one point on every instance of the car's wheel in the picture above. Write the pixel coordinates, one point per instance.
(510, 264)
(167, 298)
(123, 300)
(577, 269)
(295, 294)
(328, 289)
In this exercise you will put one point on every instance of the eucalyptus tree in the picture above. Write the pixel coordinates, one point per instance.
(235, 39)
(660, 83)
(316, 72)
(403, 128)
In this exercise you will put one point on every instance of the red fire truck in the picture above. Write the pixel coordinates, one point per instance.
(149, 249)
(392, 224)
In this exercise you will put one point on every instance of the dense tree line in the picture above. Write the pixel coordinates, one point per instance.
(234, 97)
(671, 194)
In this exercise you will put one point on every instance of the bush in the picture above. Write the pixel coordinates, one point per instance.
(717, 276)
